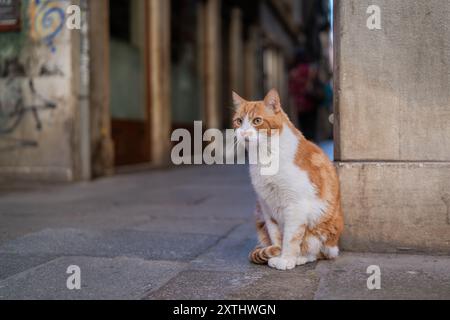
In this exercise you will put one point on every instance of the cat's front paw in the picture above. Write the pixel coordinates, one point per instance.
(282, 263)
(301, 261)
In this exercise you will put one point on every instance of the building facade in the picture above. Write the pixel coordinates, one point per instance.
(74, 104)
(392, 128)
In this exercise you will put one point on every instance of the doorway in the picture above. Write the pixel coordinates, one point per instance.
(186, 68)
(130, 123)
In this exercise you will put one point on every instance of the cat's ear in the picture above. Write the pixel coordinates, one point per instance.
(237, 100)
(272, 101)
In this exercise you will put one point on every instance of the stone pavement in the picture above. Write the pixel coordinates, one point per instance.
(178, 234)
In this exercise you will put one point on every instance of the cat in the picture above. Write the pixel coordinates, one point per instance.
(298, 212)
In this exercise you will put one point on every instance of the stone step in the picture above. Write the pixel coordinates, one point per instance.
(396, 207)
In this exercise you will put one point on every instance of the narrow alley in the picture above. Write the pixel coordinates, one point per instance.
(182, 233)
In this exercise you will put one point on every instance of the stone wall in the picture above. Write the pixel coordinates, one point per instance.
(38, 95)
(393, 124)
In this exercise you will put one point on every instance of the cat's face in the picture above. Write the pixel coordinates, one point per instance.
(255, 119)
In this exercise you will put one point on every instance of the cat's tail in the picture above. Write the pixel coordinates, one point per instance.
(261, 255)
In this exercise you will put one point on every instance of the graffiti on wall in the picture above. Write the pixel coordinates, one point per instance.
(47, 20)
(20, 102)
(12, 113)
(15, 67)
(14, 108)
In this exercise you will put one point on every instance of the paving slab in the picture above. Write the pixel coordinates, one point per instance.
(101, 278)
(261, 284)
(298, 284)
(226, 264)
(52, 242)
(130, 243)
(24, 218)
(11, 264)
(204, 285)
(230, 253)
(154, 246)
(402, 277)
(234, 210)
(208, 226)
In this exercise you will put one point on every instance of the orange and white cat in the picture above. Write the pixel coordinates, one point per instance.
(298, 212)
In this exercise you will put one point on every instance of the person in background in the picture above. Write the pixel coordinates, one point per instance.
(306, 92)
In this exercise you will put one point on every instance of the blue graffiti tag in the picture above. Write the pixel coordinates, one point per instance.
(49, 20)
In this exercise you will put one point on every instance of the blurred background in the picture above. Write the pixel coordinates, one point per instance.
(78, 104)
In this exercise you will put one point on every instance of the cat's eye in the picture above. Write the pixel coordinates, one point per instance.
(257, 121)
(238, 122)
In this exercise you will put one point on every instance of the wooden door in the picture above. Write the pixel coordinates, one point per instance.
(129, 74)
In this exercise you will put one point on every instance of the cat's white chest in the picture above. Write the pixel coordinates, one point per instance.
(270, 190)
(289, 188)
